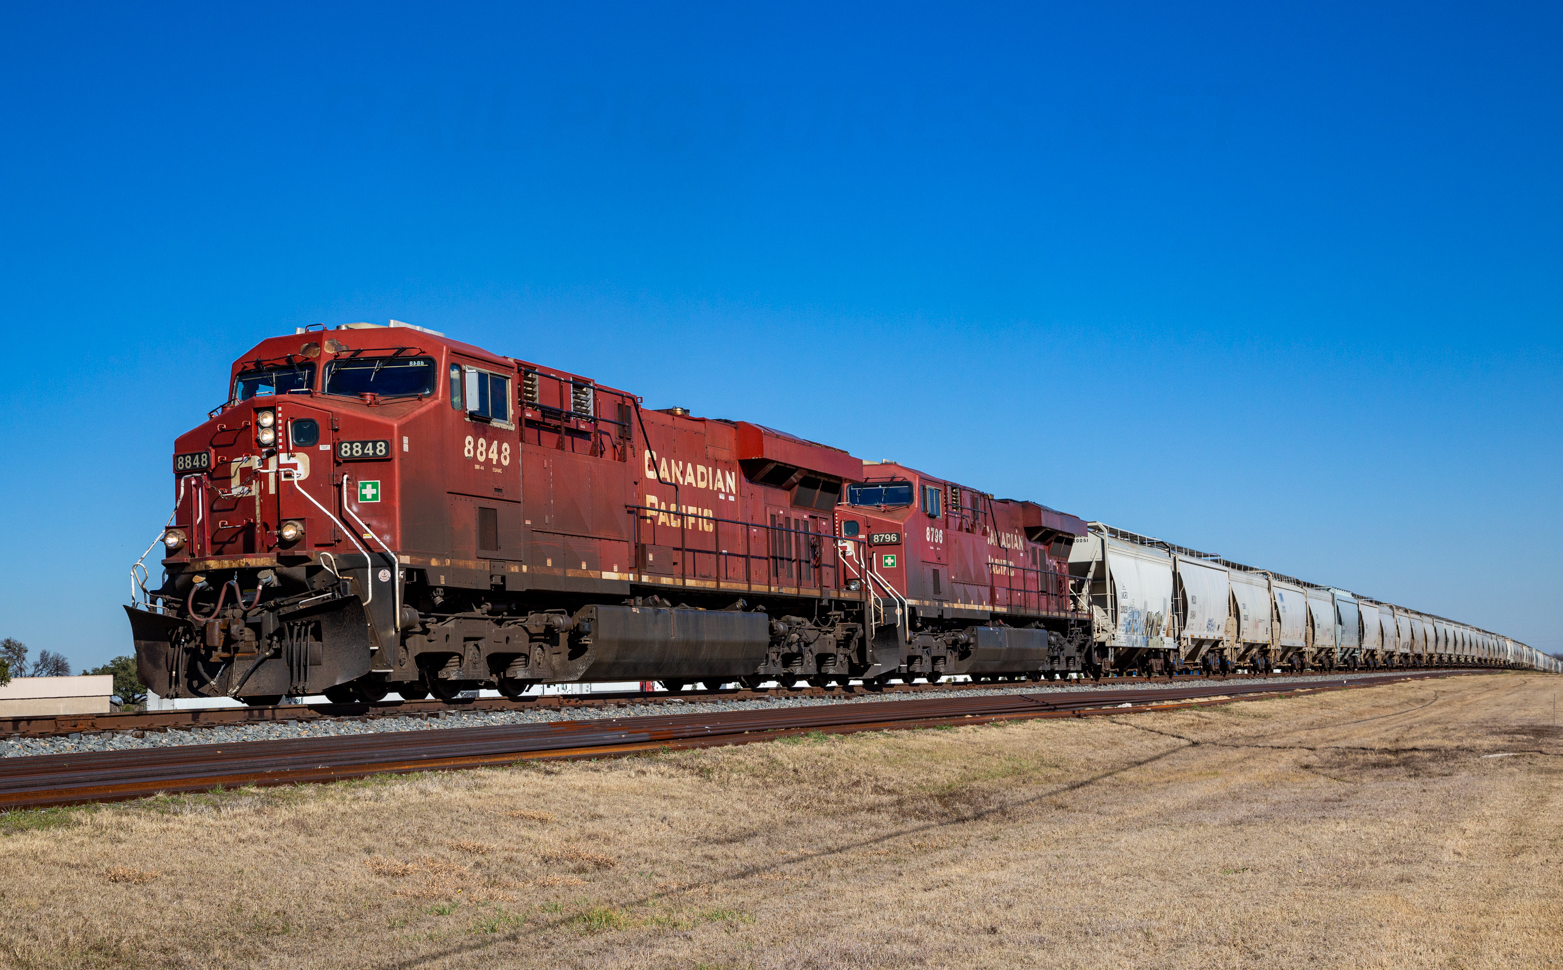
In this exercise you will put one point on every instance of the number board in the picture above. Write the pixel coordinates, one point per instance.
(885, 538)
(363, 450)
(196, 461)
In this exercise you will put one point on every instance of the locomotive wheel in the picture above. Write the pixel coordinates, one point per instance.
(373, 693)
(343, 694)
(874, 684)
(514, 688)
(934, 677)
(445, 690)
(752, 682)
(412, 692)
(263, 700)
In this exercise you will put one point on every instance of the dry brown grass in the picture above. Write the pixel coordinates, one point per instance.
(580, 860)
(1367, 829)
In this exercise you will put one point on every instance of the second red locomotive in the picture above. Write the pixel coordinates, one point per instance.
(379, 509)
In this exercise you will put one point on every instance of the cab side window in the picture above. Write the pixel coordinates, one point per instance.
(932, 501)
(455, 386)
(486, 395)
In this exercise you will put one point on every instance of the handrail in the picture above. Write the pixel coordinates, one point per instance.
(846, 555)
(290, 475)
(137, 565)
(905, 610)
(1044, 593)
(687, 516)
(396, 569)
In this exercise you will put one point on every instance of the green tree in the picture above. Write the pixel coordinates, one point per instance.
(128, 688)
(13, 656)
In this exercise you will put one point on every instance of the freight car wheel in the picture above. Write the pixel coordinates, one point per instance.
(673, 686)
(263, 700)
(751, 682)
(934, 677)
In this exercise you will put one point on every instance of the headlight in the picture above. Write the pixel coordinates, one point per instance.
(290, 531)
(174, 540)
(265, 418)
(266, 436)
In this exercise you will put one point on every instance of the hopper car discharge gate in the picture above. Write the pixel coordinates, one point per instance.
(382, 508)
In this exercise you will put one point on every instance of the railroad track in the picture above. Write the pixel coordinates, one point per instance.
(44, 780)
(55, 725)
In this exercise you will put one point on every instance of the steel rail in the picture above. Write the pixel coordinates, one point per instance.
(45, 780)
(54, 725)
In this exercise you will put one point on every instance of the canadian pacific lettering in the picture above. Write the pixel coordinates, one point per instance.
(687, 473)
(679, 516)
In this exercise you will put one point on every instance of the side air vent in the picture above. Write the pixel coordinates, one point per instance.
(529, 392)
(581, 399)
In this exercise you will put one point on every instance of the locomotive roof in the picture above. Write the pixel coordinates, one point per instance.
(1034, 514)
(393, 336)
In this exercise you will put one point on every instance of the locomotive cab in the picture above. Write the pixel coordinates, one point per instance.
(287, 512)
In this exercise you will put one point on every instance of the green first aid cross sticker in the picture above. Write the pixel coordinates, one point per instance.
(368, 491)
(889, 560)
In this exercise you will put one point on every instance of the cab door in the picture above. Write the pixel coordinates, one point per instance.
(935, 573)
(484, 464)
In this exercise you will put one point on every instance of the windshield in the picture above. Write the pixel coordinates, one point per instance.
(273, 380)
(879, 494)
(382, 376)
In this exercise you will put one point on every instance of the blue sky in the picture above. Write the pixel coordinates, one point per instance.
(1278, 282)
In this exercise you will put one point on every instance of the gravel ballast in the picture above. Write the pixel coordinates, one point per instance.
(16, 747)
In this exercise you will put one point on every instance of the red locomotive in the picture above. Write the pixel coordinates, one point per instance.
(380, 509)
